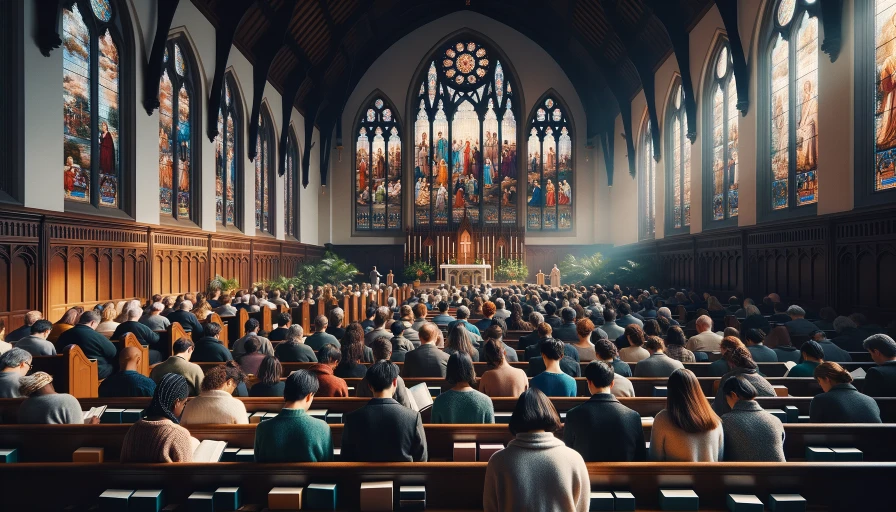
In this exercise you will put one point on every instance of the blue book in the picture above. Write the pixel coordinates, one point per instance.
(227, 498)
(147, 501)
(9, 455)
(115, 500)
(320, 496)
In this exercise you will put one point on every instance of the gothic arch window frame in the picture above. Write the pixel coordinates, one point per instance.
(291, 220)
(541, 127)
(646, 206)
(770, 28)
(726, 84)
(866, 106)
(508, 215)
(122, 34)
(672, 114)
(387, 129)
(233, 108)
(264, 169)
(193, 85)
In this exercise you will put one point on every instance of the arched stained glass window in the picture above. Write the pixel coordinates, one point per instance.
(227, 156)
(264, 173)
(378, 197)
(291, 186)
(721, 138)
(790, 181)
(549, 167)
(885, 97)
(678, 165)
(465, 133)
(646, 183)
(91, 69)
(178, 114)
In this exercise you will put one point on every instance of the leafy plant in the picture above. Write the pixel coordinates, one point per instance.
(335, 269)
(595, 269)
(280, 283)
(511, 270)
(222, 284)
(419, 270)
(332, 269)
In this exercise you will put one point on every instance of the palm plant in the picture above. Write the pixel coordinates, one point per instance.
(219, 283)
(595, 269)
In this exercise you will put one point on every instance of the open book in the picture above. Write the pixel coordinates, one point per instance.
(209, 451)
(789, 365)
(420, 396)
(858, 373)
(94, 412)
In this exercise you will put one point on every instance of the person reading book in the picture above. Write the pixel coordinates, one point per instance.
(294, 436)
(158, 436)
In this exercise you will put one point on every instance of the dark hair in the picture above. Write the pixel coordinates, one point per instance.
(329, 354)
(609, 315)
(382, 348)
(740, 387)
(605, 349)
(460, 369)
(88, 317)
(664, 324)
(880, 342)
(740, 357)
(300, 384)
(833, 372)
(443, 306)
(651, 327)
(675, 336)
(552, 348)
(283, 319)
(568, 315)
(634, 335)
(71, 316)
(182, 345)
(171, 388)
(812, 349)
(41, 326)
(599, 373)
(252, 344)
(352, 349)
(397, 328)
(494, 332)
(212, 329)
(754, 335)
(688, 408)
(252, 324)
(381, 316)
(534, 411)
(219, 375)
(550, 308)
(625, 309)
(381, 374)
(269, 371)
(371, 310)
(493, 352)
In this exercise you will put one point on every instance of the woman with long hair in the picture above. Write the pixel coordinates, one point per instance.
(158, 436)
(352, 350)
(459, 341)
(502, 379)
(675, 341)
(202, 309)
(687, 430)
(68, 320)
(269, 378)
(354, 334)
(740, 364)
(516, 321)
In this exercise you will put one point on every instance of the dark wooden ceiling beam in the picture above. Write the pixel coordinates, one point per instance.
(48, 12)
(153, 71)
(287, 103)
(230, 14)
(832, 20)
(728, 11)
(669, 15)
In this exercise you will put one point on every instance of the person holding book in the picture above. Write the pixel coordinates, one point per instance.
(158, 436)
(294, 436)
(44, 405)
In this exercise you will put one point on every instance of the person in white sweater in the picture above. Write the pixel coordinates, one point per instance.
(687, 430)
(216, 404)
(635, 351)
(537, 471)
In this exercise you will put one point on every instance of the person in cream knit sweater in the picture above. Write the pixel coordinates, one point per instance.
(687, 430)
(158, 437)
(216, 404)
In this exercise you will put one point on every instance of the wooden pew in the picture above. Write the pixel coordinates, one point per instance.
(72, 372)
(833, 486)
(129, 340)
(301, 315)
(175, 332)
(224, 337)
(264, 318)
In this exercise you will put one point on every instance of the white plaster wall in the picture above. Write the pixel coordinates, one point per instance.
(537, 72)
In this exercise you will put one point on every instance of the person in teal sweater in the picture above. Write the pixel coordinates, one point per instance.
(552, 381)
(462, 403)
(813, 355)
(294, 436)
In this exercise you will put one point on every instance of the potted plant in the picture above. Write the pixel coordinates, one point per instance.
(219, 283)
(512, 270)
(418, 271)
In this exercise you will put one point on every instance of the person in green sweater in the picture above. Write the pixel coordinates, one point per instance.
(462, 403)
(294, 436)
(813, 355)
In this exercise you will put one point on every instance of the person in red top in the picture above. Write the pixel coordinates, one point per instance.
(330, 385)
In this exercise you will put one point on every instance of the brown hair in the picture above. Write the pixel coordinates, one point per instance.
(778, 337)
(634, 335)
(419, 310)
(654, 343)
(219, 375)
(730, 343)
(740, 357)
(489, 309)
(833, 372)
(71, 316)
(545, 330)
(109, 312)
(493, 352)
(584, 327)
(688, 408)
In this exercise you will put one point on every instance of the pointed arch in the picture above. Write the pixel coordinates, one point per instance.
(377, 151)
(265, 158)
(646, 180)
(720, 136)
(229, 155)
(291, 184)
(550, 168)
(678, 162)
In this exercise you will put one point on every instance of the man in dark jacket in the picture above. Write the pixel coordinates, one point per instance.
(602, 429)
(881, 380)
(143, 334)
(848, 337)
(95, 345)
(567, 330)
(798, 325)
(209, 348)
(282, 330)
(550, 316)
(25, 330)
(186, 318)
(128, 382)
(399, 430)
(427, 360)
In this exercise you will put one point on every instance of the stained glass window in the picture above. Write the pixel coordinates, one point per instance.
(885, 98)
(227, 156)
(378, 196)
(465, 160)
(264, 171)
(646, 182)
(290, 186)
(678, 184)
(722, 137)
(176, 120)
(91, 66)
(792, 65)
(549, 169)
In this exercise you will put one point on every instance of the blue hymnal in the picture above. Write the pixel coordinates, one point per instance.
(111, 416)
(115, 500)
(320, 496)
(227, 498)
(147, 501)
(9, 455)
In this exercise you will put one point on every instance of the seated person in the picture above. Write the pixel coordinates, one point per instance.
(751, 433)
(880, 381)
(328, 358)
(488, 313)
(427, 360)
(158, 436)
(658, 364)
(753, 339)
(687, 430)
(226, 306)
(460, 341)
(269, 376)
(443, 318)
(780, 315)
(128, 381)
(401, 345)
(95, 345)
(741, 365)
(143, 334)
(583, 345)
(294, 349)
(180, 364)
(154, 319)
(841, 402)
(321, 337)
(294, 436)
(502, 379)
(399, 430)
(185, 317)
(36, 343)
(606, 351)
(335, 325)
(252, 328)
(553, 381)
(831, 351)
(352, 350)
(209, 348)
(283, 323)
(675, 342)
(44, 405)
(635, 352)
(602, 429)
(813, 355)
(251, 360)
(14, 364)
(216, 404)
(566, 332)
(705, 340)
(382, 351)
(798, 325)
(30, 318)
(496, 332)
(461, 403)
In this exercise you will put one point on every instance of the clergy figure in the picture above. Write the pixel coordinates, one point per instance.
(555, 277)
(375, 277)
(107, 151)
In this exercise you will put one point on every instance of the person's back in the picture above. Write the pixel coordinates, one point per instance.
(56, 408)
(505, 380)
(37, 345)
(426, 360)
(294, 436)
(180, 364)
(752, 434)
(657, 365)
(554, 384)
(216, 404)
(127, 383)
(843, 403)
(209, 349)
(295, 352)
(466, 407)
(763, 354)
(834, 353)
(93, 344)
(669, 443)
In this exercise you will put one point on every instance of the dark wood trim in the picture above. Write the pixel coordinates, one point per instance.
(153, 69)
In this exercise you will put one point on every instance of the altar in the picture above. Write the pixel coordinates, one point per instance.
(465, 275)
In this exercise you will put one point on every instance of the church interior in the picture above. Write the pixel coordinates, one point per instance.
(639, 199)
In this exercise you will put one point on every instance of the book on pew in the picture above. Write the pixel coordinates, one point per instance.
(285, 498)
(787, 503)
(789, 365)
(209, 451)
(9, 455)
(679, 499)
(421, 398)
(115, 500)
(624, 500)
(602, 501)
(376, 496)
(858, 373)
(744, 503)
(147, 500)
(94, 412)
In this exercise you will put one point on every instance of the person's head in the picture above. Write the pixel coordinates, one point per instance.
(284, 320)
(169, 398)
(252, 345)
(859, 318)
(16, 360)
(493, 352)
(320, 323)
(536, 319)
(108, 312)
(634, 335)
(225, 299)
(382, 315)
(740, 357)
(703, 323)
(38, 383)
(463, 312)
(419, 310)
(337, 316)
(224, 377)
(551, 349)
(736, 389)
(499, 303)
(269, 371)
(397, 328)
(41, 328)
(796, 312)
(675, 336)
(584, 328)
(881, 347)
(301, 386)
(830, 374)
(371, 312)
(329, 355)
(382, 348)
(443, 306)
(495, 331)
(129, 358)
(812, 351)
(753, 337)
(652, 328)
(352, 349)
(488, 309)
(183, 347)
(33, 316)
(550, 308)
(605, 350)
(186, 305)
(654, 344)
(381, 377)
(429, 332)
(252, 325)
(460, 370)
(664, 312)
(751, 310)
(212, 329)
(568, 315)
(687, 406)
(600, 377)
(842, 323)
(534, 412)
(459, 340)
(779, 307)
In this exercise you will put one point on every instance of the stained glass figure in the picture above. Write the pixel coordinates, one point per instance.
(646, 183)
(175, 134)
(227, 157)
(678, 210)
(550, 169)
(378, 175)
(885, 94)
(723, 133)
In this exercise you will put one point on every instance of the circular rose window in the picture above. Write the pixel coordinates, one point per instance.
(465, 63)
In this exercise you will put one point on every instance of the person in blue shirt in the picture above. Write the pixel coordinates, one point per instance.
(443, 318)
(552, 381)
(463, 313)
(128, 381)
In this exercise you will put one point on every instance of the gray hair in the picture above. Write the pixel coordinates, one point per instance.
(157, 306)
(843, 322)
(796, 311)
(536, 318)
(664, 312)
(186, 305)
(390, 301)
(13, 358)
(134, 314)
(295, 330)
(499, 303)
(337, 314)
(751, 310)
(704, 321)
(463, 312)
